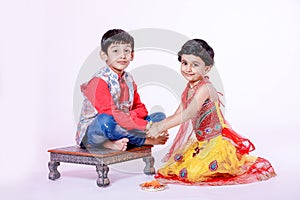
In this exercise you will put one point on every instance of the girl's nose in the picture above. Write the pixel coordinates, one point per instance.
(188, 67)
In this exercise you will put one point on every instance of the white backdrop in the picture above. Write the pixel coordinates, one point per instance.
(44, 44)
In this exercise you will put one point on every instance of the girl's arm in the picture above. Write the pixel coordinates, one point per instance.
(179, 109)
(181, 116)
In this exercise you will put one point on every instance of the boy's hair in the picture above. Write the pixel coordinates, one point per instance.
(118, 36)
(200, 48)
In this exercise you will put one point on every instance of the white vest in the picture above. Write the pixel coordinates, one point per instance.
(89, 112)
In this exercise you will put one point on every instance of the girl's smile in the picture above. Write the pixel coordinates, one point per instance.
(193, 68)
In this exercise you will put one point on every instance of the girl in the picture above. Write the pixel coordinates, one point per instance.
(211, 153)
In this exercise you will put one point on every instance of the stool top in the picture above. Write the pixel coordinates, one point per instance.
(97, 152)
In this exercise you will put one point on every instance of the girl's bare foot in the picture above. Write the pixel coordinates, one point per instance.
(120, 145)
(161, 139)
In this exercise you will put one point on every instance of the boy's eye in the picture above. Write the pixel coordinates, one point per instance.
(184, 63)
(115, 50)
(127, 51)
(195, 65)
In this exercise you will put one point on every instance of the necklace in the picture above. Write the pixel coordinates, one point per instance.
(191, 92)
(196, 83)
(192, 89)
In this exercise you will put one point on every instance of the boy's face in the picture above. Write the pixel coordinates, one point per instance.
(118, 56)
(193, 68)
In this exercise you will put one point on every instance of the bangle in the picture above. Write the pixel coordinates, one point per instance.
(149, 125)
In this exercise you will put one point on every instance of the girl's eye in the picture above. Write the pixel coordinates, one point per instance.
(195, 65)
(183, 63)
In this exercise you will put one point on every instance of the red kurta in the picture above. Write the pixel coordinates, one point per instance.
(97, 92)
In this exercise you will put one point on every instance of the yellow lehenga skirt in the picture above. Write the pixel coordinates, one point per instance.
(213, 162)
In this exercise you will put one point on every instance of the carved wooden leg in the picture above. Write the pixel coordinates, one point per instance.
(149, 168)
(53, 174)
(102, 171)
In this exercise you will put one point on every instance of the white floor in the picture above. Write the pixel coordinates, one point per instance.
(79, 182)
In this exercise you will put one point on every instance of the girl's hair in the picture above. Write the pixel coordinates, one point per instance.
(200, 48)
(116, 36)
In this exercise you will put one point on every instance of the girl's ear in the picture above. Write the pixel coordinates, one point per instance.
(103, 55)
(207, 68)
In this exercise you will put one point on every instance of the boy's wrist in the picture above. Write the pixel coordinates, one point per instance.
(149, 125)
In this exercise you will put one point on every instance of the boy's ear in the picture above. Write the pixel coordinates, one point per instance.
(132, 55)
(103, 55)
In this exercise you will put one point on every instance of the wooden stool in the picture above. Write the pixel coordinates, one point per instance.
(101, 158)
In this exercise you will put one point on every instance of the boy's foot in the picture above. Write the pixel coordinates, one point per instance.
(161, 139)
(120, 144)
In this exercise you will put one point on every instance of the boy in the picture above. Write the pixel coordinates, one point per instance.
(112, 114)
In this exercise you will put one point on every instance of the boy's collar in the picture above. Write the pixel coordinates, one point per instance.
(115, 75)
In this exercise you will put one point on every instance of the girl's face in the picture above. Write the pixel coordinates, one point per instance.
(193, 68)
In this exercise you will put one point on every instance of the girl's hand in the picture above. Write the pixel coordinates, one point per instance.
(153, 131)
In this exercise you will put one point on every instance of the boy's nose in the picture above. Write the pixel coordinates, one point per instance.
(122, 55)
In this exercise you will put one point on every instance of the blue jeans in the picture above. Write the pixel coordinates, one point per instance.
(104, 127)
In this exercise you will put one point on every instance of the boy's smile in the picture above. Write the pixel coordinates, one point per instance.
(118, 56)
